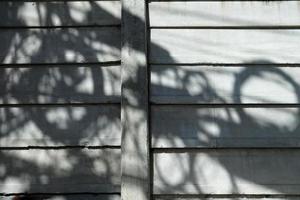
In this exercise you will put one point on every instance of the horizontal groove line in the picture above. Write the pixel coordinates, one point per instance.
(224, 195)
(229, 64)
(59, 104)
(60, 193)
(156, 104)
(158, 150)
(31, 65)
(206, 105)
(61, 27)
(262, 27)
(60, 147)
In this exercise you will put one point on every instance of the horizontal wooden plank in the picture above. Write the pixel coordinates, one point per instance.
(60, 84)
(219, 127)
(219, 46)
(228, 13)
(60, 126)
(60, 45)
(228, 172)
(62, 197)
(60, 171)
(73, 13)
(224, 84)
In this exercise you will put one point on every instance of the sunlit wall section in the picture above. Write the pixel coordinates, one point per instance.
(225, 99)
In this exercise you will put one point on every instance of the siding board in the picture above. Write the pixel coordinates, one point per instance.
(60, 45)
(225, 84)
(59, 84)
(63, 197)
(60, 126)
(72, 13)
(60, 171)
(223, 127)
(225, 46)
(220, 13)
(227, 172)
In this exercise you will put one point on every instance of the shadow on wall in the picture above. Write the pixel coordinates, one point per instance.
(89, 125)
(70, 169)
(256, 125)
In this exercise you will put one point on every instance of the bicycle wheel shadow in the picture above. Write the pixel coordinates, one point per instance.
(269, 119)
(66, 68)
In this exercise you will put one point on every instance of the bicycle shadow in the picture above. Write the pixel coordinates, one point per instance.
(223, 124)
(87, 124)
